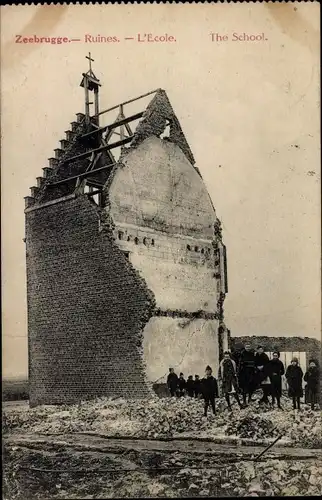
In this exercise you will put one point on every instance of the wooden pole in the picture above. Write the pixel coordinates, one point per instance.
(96, 106)
(86, 100)
(268, 447)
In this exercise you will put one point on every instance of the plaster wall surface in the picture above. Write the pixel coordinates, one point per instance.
(159, 188)
(186, 345)
(164, 219)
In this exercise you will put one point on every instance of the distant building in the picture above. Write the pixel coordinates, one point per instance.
(126, 267)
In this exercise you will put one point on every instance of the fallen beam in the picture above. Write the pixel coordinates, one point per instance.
(81, 176)
(268, 447)
(113, 125)
(98, 150)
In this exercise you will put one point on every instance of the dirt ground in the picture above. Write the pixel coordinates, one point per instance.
(109, 449)
(81, 466)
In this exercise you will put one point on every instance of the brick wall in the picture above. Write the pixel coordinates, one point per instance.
(87, 308)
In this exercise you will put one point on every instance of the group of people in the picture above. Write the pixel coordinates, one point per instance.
(206, 387)
(244, 372)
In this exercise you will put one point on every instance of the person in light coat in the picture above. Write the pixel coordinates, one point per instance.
(227, 377)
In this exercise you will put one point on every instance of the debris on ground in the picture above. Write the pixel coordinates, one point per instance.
(170, 417)
(144, 474)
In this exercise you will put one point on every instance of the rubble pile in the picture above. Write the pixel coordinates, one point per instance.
(267, 478)
(305, 429)
(252, 426)
(170, 417)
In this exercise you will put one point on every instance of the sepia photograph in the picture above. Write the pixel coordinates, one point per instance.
(161, 250)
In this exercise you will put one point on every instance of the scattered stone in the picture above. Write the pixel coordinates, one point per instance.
(204, 493)
(313, 480)
(290, 491)
(193, 487)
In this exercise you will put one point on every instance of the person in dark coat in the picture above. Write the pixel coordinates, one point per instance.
(190, 386)
(275, 370)
(172, 382)
(197, 386)
(209, 390)
(261, 362)
(312, 379)
(235, 355)
(181, 385)
(227, 377)
(294, 377)
(247, 373)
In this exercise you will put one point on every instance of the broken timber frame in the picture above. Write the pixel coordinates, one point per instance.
(81, 176)
(82, 156)
(116, 124)
(128, 102)
(120, 122)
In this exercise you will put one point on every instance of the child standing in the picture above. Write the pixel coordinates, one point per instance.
(181, 385)
(197, 386)
(209, 390)
(294, 377)
(190, 386)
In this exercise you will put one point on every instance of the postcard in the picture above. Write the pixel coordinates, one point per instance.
(161, 244)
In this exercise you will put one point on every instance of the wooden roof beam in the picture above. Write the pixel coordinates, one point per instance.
(98, 150)
(128, 102)
(81, 176)
(113, 125)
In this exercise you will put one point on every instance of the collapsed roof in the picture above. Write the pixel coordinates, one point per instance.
(90, 151)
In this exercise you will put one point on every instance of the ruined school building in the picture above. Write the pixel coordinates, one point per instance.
(126, 269)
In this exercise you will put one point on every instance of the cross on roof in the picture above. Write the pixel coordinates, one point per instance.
(90, 61)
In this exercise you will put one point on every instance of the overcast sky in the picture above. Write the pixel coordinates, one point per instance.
(249, 110)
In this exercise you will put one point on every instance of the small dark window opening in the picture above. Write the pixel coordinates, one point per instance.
(196, 249)
(202, 250)
(129, 238)
(121, 235)
(136, 241)
(188, 247)
(126, 254)
(152, 243)
(145, 241)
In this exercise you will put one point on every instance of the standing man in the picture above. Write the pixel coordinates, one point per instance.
(261, 362)
(275, 370)
(228, 379)
(247, 373)
(209, 390)
(172, 382)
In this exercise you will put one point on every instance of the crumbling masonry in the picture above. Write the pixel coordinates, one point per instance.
(126, 269)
